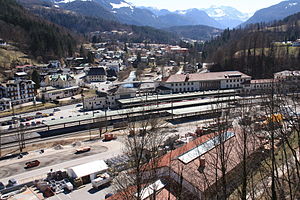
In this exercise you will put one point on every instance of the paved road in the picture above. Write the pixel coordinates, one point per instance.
(59, 161)
(63, 109)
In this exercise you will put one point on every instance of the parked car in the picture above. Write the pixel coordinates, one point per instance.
(31, 164)
(78, 105)
(33, 123)
(4, 124)
(56, 109)
(51, 114)
(1, 186)
(45, 115)
(38, 113)
(83, 150)
(12, 182)
(27, 124)
(38, 122)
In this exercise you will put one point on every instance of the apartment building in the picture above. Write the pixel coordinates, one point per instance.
(19, 91)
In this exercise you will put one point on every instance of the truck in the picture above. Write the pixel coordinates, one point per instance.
(102, 179)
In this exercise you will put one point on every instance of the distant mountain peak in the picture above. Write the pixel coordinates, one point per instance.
(275, 12)
(122, 4)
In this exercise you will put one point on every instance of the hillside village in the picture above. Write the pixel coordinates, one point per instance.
(67, 82)
(93, 105)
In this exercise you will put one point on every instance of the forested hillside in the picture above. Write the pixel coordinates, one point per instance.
(84, 25)
(257, 49)
(196, 32)
(33, 35)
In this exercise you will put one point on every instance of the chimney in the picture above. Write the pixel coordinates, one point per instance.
(187, 77)
(202, 165)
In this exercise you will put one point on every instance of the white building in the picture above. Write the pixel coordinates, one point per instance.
(60, 80)
(19, 91)
(108, 100)
(260, 86)
(50, 93)
(5, 104)
(205, 81)
(88, 171)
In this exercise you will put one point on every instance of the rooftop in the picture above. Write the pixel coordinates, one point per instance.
(205, 76)
(96, 71)
(88, 168)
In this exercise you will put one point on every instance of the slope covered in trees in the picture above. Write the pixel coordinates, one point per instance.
(196, 32)
(32, 34)
(257, 49)
(85, 24)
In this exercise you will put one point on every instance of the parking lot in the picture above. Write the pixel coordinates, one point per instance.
(38, 118)
(85, 192)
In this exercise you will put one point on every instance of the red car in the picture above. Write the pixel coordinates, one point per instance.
(31, 164)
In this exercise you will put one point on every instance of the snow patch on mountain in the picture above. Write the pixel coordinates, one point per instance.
(181, 12)
(291, 5)
(121, 5)
(68, 1)
(218, 13)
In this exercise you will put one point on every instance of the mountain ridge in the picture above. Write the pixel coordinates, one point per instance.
(275, 12)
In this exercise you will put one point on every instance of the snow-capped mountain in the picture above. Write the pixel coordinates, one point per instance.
(220, 17)
(125, 12)
(227, 16)
(275, 12)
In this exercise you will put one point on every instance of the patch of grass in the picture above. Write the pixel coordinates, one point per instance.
(10, 55)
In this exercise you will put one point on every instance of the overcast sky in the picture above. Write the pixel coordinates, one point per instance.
(248, 6)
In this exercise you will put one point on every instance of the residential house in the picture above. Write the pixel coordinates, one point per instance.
(296, 43)
(113, 66)
(60, 81)
(108, 100)
(20, 76)
(2, 42)
(96, 74)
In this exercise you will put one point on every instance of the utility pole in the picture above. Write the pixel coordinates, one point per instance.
(106, 119)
